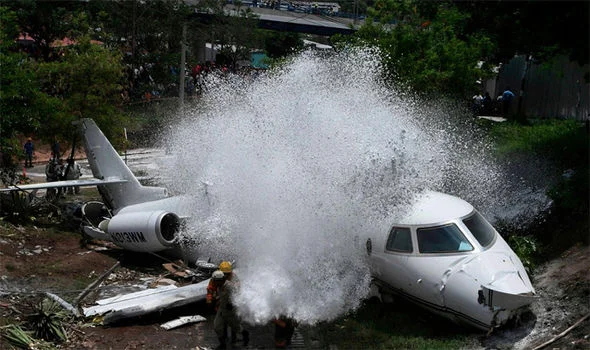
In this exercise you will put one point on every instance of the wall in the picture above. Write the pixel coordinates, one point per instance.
(551, 90)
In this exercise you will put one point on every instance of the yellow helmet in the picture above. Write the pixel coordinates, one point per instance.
(225, 267)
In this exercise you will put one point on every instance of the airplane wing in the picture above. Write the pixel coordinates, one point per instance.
(66, 183)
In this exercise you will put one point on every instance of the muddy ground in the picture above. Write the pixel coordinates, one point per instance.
(43, 257)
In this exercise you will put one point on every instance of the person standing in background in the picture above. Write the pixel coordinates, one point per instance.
(507, 97)
(55, 150)
(29, 150)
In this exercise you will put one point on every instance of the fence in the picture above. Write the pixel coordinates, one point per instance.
(558, 89)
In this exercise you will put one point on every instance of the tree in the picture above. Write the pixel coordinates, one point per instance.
(427, 47)
(42, 97)
(47, 21)
(148, 34)
(281, 44)
(18, 90)
(236, 35)
(542, 29)
(85, 82)
(355, 7)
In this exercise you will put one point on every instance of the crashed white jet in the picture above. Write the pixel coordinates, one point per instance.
(139, 218)
(444, 255)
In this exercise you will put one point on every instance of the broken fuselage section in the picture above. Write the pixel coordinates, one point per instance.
(448, 258)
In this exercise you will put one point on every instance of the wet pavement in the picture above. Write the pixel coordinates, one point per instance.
(141, 159)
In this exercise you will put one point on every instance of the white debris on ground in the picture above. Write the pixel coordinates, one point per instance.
(182, 321)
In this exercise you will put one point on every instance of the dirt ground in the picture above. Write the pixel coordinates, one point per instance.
(44, 258)
(563, 287)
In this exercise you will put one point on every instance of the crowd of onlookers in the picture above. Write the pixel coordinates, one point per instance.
(142, 86)
(499, 106)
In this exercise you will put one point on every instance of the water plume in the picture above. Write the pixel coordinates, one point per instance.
(292, 170)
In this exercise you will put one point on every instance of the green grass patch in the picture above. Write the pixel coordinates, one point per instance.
(400, 325)
(565, 141)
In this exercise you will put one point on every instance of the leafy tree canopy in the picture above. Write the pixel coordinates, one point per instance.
(41, 95)
(542, 29)
(84, 83)
(280, 44)
(425, 45)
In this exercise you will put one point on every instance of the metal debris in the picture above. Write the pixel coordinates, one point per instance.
(64, 304)
(182, 321)
(147, 301)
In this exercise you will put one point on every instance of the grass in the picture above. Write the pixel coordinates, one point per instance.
(565, 141)
(395, 326)
(566, 144)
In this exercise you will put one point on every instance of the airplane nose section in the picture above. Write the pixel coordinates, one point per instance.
(489, 287)
(508, 286)
(500, 278)
(505, 273)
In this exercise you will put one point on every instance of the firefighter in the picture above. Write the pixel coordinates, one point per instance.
(226, 316)
(284, 329)
(215, 283)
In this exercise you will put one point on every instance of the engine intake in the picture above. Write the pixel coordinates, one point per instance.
(144, 231)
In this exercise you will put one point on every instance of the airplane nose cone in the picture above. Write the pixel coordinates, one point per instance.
(505, 273)
(495, 279)
(498, 270)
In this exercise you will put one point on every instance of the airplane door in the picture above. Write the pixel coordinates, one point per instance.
(390, 259)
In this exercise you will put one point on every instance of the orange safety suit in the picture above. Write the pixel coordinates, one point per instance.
(213, 290)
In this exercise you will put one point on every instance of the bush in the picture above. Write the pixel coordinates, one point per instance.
(46, 321)
(526, 249)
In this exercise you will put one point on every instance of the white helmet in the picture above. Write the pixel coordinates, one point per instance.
(217, 275)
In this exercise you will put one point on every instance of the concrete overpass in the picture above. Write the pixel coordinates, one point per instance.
(291, 21)
(274, 20)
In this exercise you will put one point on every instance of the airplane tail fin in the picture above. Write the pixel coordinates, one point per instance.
(106, 164)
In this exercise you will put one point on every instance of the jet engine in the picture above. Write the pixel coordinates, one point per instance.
(143, 231)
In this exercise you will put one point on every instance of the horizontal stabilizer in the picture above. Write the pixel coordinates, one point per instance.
(66, 183)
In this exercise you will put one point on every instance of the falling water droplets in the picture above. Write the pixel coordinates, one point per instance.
(289, 171)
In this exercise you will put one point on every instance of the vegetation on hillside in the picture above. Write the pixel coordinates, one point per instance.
(565, 144)
(41, 97)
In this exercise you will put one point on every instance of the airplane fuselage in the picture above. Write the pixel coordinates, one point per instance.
(453, 262)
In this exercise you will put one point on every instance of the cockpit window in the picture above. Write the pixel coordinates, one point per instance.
(442, 239)
(400, 239)
(481, 229)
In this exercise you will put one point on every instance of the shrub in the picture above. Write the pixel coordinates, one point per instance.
(526, 249)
